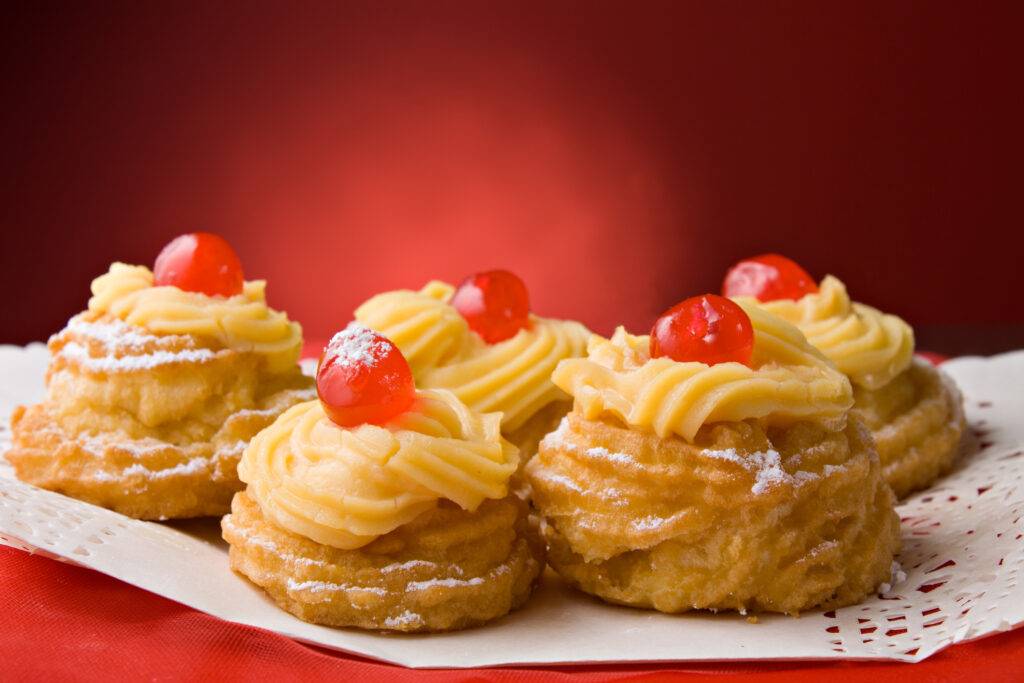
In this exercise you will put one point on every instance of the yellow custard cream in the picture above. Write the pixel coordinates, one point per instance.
(788, 380)
(344, 487)
(242, 322)
(869, 346)
(511, 377)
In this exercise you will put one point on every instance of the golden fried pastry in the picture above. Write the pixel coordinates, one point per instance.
(679, 485)
(915, 415)
(917, 421)
(153, 393)
(401, 523)
(447, 569)
(508, 371)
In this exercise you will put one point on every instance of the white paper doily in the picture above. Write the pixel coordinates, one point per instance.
(962, 554)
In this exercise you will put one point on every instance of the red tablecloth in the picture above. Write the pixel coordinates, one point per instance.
(62, 622)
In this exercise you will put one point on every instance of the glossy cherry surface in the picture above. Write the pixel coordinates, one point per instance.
(768, 277)
(363, 378)
(199, 262)
(708, 329)
(495, 304)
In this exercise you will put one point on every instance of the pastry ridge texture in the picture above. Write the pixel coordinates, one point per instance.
(447, 569)
(779, 519)
(914, 412)
(917, 422)
(151, 426)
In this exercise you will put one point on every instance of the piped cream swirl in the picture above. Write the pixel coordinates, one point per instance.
(345, 487)
(242, 322)
(869, 346)
(511, 377)
(787, 380)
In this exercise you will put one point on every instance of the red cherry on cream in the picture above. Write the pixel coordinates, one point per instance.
(708, 329)
(768, 277)
(363, 378)
(199, 262)
(495, 304)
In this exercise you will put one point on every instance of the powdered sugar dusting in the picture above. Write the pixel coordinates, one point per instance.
(327, 587)
(766, 467)
(653, 522)
(557, 440)
(414, 564)
(191, 467)
(829, 470)
(257, 412)
(117, 335)
(897, 576)
(457, 583)
(357, 345)
(270, 546)
(140, 449)
(447, 583)
(604, 454)
(406, 618)
(615, 497)
(558, 480)
(118, 338)
(235, 449)
(97, 446)
(822, 547)
(79, 354)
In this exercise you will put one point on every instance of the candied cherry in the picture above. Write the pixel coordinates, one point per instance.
(708, 329)
(495, 304)
(363, 378)
(768, 277)
(199, 262)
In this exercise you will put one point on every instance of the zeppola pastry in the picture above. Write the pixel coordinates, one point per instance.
(155, 389)
(713, 465)
(914, 411)
(383, 506)
(482, 343)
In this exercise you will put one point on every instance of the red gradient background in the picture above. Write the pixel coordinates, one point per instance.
(617, 156)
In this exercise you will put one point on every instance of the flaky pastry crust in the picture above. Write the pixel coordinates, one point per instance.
(149, 426)
(917, 421)
(744, 518)
(447, 569)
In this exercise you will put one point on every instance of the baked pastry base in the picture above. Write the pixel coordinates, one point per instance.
(448, 569)
(144, 478)
(650, 522)
(151, 426)
(917, 421)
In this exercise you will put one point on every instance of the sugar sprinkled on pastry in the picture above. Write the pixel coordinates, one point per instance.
(383, 506)
(154, 391)
(713, 465)
(914, 411)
